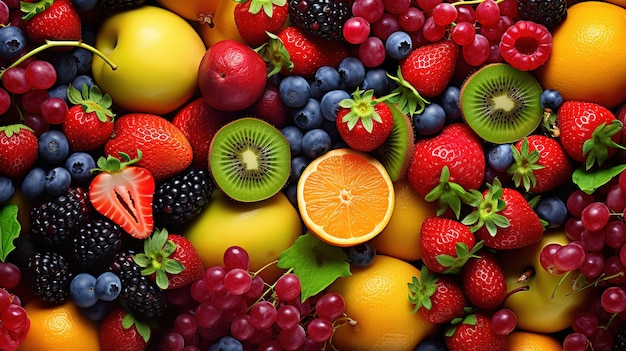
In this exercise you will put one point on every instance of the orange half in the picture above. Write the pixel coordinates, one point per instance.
(345, 197)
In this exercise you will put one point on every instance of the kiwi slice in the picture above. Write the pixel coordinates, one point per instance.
(249, 159)
(501, 103)
(395, 153)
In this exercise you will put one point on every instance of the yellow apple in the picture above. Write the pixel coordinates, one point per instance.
(157, 54)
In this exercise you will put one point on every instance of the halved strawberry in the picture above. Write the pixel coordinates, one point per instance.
(123, 193)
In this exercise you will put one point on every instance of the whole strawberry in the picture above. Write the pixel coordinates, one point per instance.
(18, 150)
(89, 123)
(540, 164)
(446, 244)
(429, 68)
(119, 330)
(254, 17)
(483, 281)
(364, 122)
(503, 219)
(445, 166)
(170, 259)
(589, 133)
(437, 298)
(51, 20)
(474, 334)
(166, 150)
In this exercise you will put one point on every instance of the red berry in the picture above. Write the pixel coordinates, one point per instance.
(526, 45)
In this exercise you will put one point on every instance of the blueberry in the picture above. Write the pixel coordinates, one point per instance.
(327, 78)
(59, 91)
(108, 286)
(7, 188)
(65, 66)
(227, 343)
(431, 120)
(352, 71)
(80, 164)
(316, 142)
(361, 255)
(97, 311)
(553, 210)
(83, 290)
(450, 99)
(83, 79)
(293, 135)
(308, 116)
(399, 45)
(298, 164)
(57, 181)
(376, 78)
(12, 42)
(294, 91)
(34, 183)
(431, 345)
(329, 105)
(291, 191)
(314, 90)
(84, 5)
(551, 100)
(500, 157)
(53, 146)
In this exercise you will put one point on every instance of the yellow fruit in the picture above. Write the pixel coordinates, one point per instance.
(59, 328)
(526, 341)
(587, 59)
(345, 197)
(400, 238)
(222, 25)
(264, 229)
(377, 299)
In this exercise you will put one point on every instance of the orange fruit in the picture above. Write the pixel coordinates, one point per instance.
(621, 3)
(59, 328)
(587, 59)
(377, 300)
(400, 238)
(345, 197)
(527, 341)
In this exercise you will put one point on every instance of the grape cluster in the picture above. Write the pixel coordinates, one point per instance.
(14, 322)
(596, 257)
(232, 305)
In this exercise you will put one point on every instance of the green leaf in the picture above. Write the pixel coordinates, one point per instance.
(590, 180)
(161, 279)
(316, 263)
(142, 328)
(9, 229)
(142, 260)
(30, 9)
(173, 266)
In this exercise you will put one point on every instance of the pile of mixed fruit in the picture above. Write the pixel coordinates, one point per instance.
(135, 133)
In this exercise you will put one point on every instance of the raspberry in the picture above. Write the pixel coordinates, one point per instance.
(526, 45)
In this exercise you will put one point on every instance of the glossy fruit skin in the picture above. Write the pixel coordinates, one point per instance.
(84, 131)
(483, 281)
(557, 166)
(221, 26)
(457, 147)
(448, 301)
(193, 10)
(358, 137)
(535, 309)
(135, 85)
(252, 27)
(433, 243)
(252, 226)
(231, 76)
(186, 254)
(476, 337)
(19, 150)
(429, 68)
(166, 150)
(60, 21)
(113, 336)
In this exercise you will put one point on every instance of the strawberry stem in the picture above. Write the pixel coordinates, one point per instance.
(407, 98)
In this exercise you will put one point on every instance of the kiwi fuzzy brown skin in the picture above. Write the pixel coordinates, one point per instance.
(523, 94)
(238, 145)
(396, 152)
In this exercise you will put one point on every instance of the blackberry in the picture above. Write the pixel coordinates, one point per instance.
(182, 197)
(50, 276)
(320, 18)
(55, 221)
(546, 12)
(95, 243)
(140, 295)
(619, 341)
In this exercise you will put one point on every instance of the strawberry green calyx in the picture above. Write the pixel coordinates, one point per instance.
(142, 328)
(407, 98)
(487, 208)
(266, 5)
(92, 100)
(449, 195)
(525, 162)
(275, 54)
(596, 149)
(112, 164)
(463, 254)
(30, 9)
(362, 109)
(420, 290)
(155, 258)
(11, 129)
(469, 319)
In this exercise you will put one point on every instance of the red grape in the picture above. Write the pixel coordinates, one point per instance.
(41, 74)
(613, 299)
(356, 30)
(237, 281)
(476, 53)
(320, 329)
(569, 257)
(412, 19)
(330, 306)
(595, 215)
(54, 110)
(288, 287)
(487, 12)
(371, 10)
(236, 257)
(503, 321)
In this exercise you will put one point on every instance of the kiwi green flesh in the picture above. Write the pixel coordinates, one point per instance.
(501, 104)
(249, 159)
(396, 151)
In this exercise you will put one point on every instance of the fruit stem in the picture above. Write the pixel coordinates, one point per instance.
(516, 290)
(526, 275)
(51, 44)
